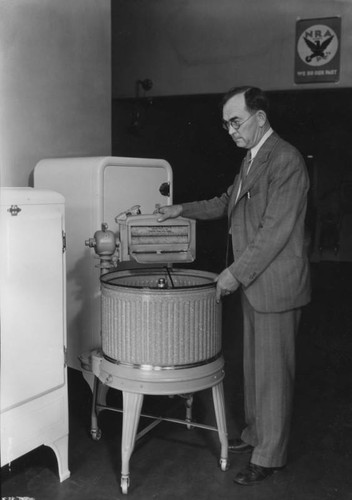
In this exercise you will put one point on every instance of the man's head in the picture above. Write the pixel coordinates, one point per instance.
(245, 115)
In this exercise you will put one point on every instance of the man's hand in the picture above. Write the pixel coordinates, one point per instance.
(169, 212)
(226, 283)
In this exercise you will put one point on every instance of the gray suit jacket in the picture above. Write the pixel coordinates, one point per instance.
(267, 227)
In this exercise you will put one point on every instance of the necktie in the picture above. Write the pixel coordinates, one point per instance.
(248, 163)
(244, 171)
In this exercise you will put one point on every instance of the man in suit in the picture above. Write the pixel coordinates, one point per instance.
(266, 208)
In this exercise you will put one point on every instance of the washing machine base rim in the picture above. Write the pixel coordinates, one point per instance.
(135, 383)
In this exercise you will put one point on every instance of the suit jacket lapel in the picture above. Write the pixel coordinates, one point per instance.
(259, 164)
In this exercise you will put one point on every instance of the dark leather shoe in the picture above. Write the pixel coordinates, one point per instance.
(254, 474)
(239, 446)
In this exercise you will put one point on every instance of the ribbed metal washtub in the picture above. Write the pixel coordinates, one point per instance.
(171, 327)
(159, 341)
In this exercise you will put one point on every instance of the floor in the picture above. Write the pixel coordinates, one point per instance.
(172, 462)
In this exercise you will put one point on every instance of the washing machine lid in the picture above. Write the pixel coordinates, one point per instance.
(147, 241)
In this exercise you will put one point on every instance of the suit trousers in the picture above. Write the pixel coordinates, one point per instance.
(269, 372)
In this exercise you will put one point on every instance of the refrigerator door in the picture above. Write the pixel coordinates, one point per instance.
(96, 190)
(34, 407)
(32, 295)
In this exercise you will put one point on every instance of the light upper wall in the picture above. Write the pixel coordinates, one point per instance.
(208, 46)
(55, 84)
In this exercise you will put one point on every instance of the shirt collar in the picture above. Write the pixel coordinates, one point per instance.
(256, 148)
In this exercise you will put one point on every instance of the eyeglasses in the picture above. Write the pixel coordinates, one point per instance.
(234, 123)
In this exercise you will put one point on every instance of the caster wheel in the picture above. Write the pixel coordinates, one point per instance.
(125, 482)
(96, 434)
(224, 464)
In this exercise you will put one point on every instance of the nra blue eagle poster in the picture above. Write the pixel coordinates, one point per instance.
(317, 53)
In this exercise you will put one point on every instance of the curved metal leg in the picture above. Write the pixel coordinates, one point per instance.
(132, 405)
(219, 406)
(60, 447)
(102, 393)
(94, 429)
(189, 404)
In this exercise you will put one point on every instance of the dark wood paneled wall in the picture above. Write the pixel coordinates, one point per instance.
(186, 131)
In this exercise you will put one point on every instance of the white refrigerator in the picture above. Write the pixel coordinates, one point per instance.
(96, 190)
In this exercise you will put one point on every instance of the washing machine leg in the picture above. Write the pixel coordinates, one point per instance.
(102, 393)
(219, 406)
(189, 404)
(132, 405)
(94, 429)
